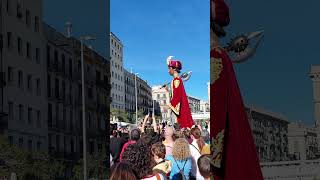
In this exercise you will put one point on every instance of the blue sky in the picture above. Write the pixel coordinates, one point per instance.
(153, 30)
(87, 17)
(277, 77)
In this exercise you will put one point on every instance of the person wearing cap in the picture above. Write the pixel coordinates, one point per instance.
(179, 102)
(232, 139)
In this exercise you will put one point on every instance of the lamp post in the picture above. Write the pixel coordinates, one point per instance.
(135, 82)
(84, 135)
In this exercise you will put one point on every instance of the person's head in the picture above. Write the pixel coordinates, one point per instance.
(145, 139)
(158, 150)
(204, 166)
(181, 150)
(121, 171)
(135, 135)
(196, 135)
(219, 17)
(114, 133)
(174, 66)
(168, 132)
(176, 126)
(179, 134)
(141, 158)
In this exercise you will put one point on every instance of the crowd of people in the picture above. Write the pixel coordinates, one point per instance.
(158, 152)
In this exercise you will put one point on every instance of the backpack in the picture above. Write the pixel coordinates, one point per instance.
(180, 175)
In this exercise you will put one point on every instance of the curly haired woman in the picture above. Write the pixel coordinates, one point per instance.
(141, 159)
(180, 159)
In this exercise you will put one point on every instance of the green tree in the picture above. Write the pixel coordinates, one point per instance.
(121, 115)
(96, 166)
(37, 165)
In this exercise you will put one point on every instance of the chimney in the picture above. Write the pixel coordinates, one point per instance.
(69, 28)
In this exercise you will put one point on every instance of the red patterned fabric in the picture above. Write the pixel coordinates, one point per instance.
(234, 151)
(179, 103)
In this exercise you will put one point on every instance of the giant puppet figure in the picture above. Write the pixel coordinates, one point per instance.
(178, 100)
(234, 154)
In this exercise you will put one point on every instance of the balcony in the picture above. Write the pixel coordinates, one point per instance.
(3, 121)
(103, 84)
(67, 100)
(91, 104)
(52, 67)
(76, 76)
(102, 108)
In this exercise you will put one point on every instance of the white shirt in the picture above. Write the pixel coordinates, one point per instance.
(195, 156)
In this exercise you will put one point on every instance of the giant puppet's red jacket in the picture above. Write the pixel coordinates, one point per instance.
(179, 103)
(234, 152)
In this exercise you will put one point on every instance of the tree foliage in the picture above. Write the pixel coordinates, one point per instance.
(96, 166)
(37, 165)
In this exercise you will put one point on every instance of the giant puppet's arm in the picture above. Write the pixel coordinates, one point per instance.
(176, 94)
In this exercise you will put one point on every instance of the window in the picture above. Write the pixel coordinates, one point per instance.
(10, 112)
(29, 115)
(28, 50)
(9, 36)
(57, 88)
(36, 24)
(20, 142)
(70, 67)
(71, 120)
(38, 146)
(20, 79)
(38, 87)
(48, 55)
(19, 45)
(10, 140)
(49, 86)
(30, 145)
(10, 74)
(64, 114)
(29, 83)
(71, 146)
(57, 143)
(28, 18)
(19, 11)
(90, 94)
(55, 58)
(38, 55)
(20, 112)
(8, 6)
(89, 120)
(63, 63)
(38, 119)
(57, 116)
(49, 115)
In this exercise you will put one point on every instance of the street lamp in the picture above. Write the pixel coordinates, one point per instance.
(135, 86)
(84, 135)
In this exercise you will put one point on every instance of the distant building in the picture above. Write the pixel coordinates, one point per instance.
(64, 95)
(194, 104)
(144, 95)
(162, 97)
(270, 134)
(303, 143)
(204, 106)
(117, 73)
(130, 97)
